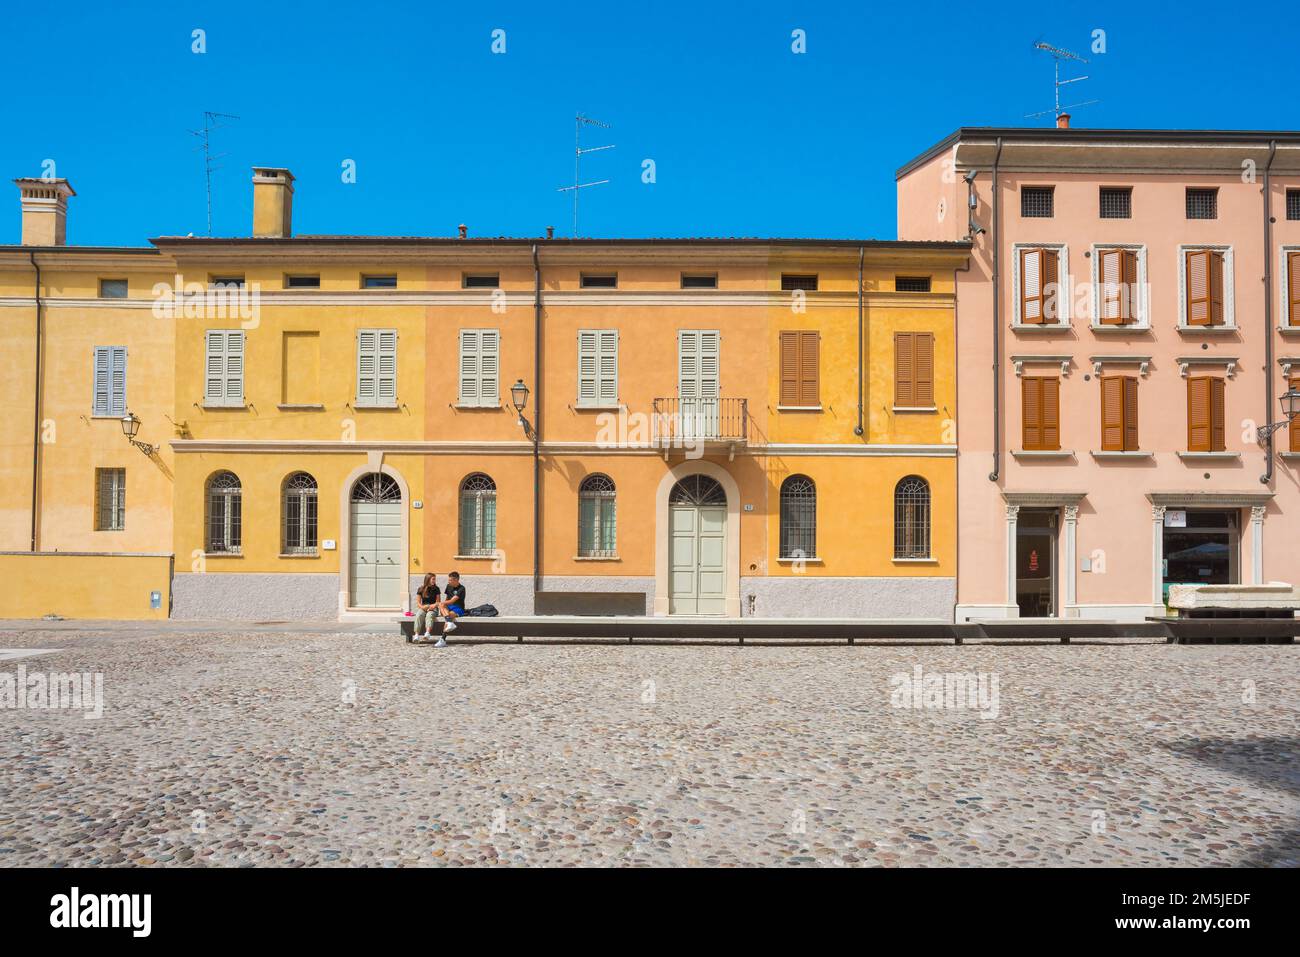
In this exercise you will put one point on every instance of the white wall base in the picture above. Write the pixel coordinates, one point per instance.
(986, 612)
(1114, 612)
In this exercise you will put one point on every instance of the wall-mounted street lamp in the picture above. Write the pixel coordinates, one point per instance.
(519, 396)
(131, 426)
(1290, 409)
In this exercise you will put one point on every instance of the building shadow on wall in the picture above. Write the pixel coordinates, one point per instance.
(1269, 762)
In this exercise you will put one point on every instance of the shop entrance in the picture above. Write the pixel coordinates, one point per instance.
(1201, 547)
(1036, 562)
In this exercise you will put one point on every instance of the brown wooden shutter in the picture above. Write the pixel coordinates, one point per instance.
(1129, 278)
(1051, 286)
(1199, 312)
(1216, 288)
(923, 378)
(1293, 288)
(1198, 414)
(1031, 413)
(904, 369)
(1110, 270)
(1131, 414)
(789, 390)
(809, 373)
(1051, 414)
(1218, 430)
(1295, 423)
(1112, 413)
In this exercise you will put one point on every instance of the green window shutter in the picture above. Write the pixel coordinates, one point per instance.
(688, 364)
(235, 368)
(588, 366)
(607, 372)
(710, 371)
(214, 388)
(117, 381)
(489, 367)
(367, 367)
(387, 372)
(103, 375)
(469, 350)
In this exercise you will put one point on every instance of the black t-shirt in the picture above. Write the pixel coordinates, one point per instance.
(429, 596)
(456, 595)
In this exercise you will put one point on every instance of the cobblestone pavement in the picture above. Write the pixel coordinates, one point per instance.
(299, 749)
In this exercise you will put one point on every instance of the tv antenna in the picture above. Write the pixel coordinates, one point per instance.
(1057, 55)
(211, 121)
(578, 185)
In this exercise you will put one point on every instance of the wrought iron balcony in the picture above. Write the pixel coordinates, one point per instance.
(686, 423)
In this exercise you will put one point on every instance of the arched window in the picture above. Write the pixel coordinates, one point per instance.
(698, 489)
(798, 517)
(223, 506)
(376, 489)
(298, 515)
(597, 532)
(478, 515)
(912, 518)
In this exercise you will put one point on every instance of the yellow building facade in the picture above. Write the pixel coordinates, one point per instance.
(711, 427)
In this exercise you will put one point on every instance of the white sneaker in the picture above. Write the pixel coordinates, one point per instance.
(449, 627)
(440, 643)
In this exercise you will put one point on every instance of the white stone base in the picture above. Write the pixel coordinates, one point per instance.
(1274, 595)
(986, 612)
(1114, 612)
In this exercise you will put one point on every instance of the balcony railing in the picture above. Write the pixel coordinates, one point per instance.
(689, 422)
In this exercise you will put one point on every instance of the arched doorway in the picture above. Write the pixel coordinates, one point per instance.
(375, 535)
(697, 547)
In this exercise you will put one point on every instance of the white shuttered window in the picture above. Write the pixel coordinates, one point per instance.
(697, 363)
(597, 367)
(110, 381)
(224, 383)
(376, 368)
(480, 367)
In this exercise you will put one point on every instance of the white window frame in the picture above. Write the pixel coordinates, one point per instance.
(224, 399)
(379, 398)
(1284, 292)
(1065, 295)
(604, 387)
(1229, 287)
(1144, 290)
(111, 409)
(479, 398)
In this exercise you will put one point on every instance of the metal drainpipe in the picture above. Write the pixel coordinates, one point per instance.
(861, 326)
(36, 405)
(997, 320)
(1267, 477)
(537, 429)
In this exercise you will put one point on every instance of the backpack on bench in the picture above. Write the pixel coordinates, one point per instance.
(481, 611)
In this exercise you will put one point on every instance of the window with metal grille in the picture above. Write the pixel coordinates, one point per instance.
(1202, 203)
(481, 280)
(226, 282)
(911, 284)
(912, 518)
(597, 528)
(1293, 204)
(376, 488)
(478, 515)
(790, 281)
(697, 489)
(378, 282)
(602, 280)
(1117, 202)
(798, 517)
(110, 500)
(112, 289)
(699, 281)
(299, 510)
(302, 282)
(1036, 201)
(224, 509)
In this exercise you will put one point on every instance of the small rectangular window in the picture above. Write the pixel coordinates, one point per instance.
(1119, 414)
(911, 283)
(1117, 202)
(600, 280)
(226, 282)
(112, 289)
(1293, 204)
(481, 280)
(791, 281)
(302, 282)
(110, 500)
(1206, 422)
(1040, 409)
(1036, 202)
(378, 282)
(1202, 203)
(699, 280)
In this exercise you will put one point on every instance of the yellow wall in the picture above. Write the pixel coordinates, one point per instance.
(77, 585)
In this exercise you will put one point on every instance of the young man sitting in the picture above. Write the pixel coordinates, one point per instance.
(453, 604)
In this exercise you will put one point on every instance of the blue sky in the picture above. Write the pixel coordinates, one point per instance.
(748, 138)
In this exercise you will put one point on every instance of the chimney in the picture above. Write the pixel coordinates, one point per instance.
(45, 210)
(550, 232)
(1063, 121)
(272, 202)
(463, 230)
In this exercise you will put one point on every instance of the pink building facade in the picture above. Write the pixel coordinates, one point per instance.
(1129, 320)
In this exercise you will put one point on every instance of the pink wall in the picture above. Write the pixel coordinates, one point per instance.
(1115, 517)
